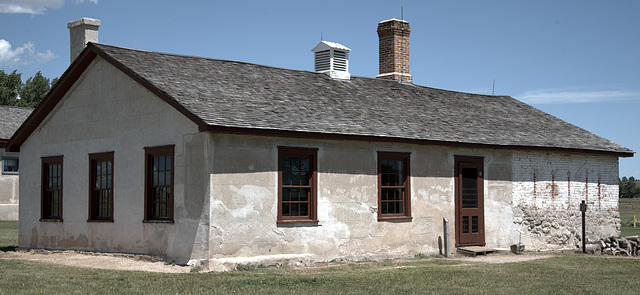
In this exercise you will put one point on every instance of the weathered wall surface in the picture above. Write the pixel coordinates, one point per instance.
(107, 111)
(244, 201)
(548, 189)
(9, 192)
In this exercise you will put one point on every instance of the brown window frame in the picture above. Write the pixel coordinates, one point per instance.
(406, 199)
(47, 205)
(94, 202)
(150, 153)
(312, 203)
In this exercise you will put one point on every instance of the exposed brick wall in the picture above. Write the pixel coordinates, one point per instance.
(393, 36)
(555, 181)
(548, 189)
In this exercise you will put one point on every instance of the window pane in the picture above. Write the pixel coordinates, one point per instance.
(295, 194)
(161, 178)
(161, 163)
(286, 178)
(286, 164)
(286, 194)
(286, 210)
(304, 178)
(295, 178)
(304, 164)
(304, 195)
(168, 163)
(304, 209)
(155, 164)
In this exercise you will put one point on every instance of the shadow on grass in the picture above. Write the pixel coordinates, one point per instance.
(11, 248)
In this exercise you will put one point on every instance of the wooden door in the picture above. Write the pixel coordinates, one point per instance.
(469, 194)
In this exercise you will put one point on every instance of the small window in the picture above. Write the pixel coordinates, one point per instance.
(159, 175)
(297, 185)
(52, 188)
(394, 198)
(101, 187)
(10, 165)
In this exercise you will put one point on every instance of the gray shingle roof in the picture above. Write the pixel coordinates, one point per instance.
(242, 95)
(10, 119)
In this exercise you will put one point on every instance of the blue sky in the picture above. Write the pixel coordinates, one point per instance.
(577, 60)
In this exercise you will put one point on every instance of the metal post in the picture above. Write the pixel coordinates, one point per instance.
(583, 208)
(445, 225)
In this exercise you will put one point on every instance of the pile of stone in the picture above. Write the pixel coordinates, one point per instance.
(617, 246)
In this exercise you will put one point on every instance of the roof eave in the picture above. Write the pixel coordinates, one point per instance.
(331, 136)
(66, 81)
(68, 78)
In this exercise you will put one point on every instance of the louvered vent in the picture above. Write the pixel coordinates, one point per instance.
(323, 61)
(332, 59)
(339, 60)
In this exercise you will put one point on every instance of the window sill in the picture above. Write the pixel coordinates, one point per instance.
(294, 222)
(10, 173)
(50, 220)
(100, 220)
(395, 218)
(157, 221)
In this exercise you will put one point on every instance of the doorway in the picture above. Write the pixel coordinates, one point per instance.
(469, 200)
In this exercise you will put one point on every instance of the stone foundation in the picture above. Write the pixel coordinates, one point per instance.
(546, 229)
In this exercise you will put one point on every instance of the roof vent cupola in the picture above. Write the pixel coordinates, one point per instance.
(332, 59)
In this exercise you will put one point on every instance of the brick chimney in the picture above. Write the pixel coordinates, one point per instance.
(82, 31)
(393, 35)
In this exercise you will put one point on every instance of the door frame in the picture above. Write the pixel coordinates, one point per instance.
(479, 163)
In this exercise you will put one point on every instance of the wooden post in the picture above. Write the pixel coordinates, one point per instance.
(583, 208)
(445, 225)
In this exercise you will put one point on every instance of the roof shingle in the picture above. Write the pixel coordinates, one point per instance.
(242, 95)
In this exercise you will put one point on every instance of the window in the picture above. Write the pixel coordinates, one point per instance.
(52, 188)
(159, 174)
(297, 185)
(101, 186)
(10, 165)
(394, 198)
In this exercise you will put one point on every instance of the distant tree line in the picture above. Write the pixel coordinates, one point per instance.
(629, 187)
(28, 94)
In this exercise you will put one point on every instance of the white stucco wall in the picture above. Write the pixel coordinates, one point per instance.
(9, 191)
(107, 111)
(244, 201)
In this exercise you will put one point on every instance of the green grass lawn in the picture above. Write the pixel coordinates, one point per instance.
(628, 208)
(8, 235)
(570, 274)
(566, 274)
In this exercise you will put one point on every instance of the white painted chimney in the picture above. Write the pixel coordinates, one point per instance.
(333, 59)
(82, 31)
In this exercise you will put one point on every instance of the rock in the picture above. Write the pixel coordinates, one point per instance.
(593, 248)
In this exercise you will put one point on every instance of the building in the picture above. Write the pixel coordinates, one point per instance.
(10, 119)
(211, 161)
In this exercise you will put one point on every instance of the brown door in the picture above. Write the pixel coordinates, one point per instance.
(469, 179)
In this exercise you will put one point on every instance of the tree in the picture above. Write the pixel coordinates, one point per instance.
(10, 86)
(34, 90)
(629, 188)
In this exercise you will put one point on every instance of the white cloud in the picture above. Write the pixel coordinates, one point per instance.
(551, 96)
(29, 6)
(34, 6)
(24, 55)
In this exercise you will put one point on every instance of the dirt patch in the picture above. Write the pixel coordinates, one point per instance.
(117, 261)
(113, 261)
(505, 258)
